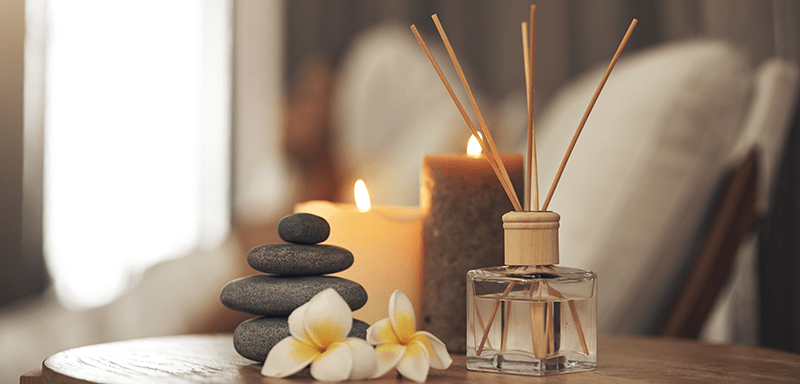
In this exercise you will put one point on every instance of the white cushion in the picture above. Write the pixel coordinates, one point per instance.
(644, 170)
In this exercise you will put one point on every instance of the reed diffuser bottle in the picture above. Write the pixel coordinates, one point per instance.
(531, 316)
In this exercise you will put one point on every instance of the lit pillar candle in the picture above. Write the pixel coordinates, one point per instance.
(462, 203)
(386, 243)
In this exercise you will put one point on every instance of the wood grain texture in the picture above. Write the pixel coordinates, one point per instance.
(211, 359)
(32, 377)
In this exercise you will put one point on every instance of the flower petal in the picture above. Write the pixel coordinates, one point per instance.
(388, 357)
(296, 324)
(334, 364)
(328, 319)
(440, 359)
(382, 332)
(415, 362)
(288, 357)
(365, 360)
(401, 314)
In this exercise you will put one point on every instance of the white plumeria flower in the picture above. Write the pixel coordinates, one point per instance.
(319, 332)
(398, 345)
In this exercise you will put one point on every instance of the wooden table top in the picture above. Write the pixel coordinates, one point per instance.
(212, 359)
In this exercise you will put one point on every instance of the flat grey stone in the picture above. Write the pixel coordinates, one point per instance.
(268, 295)
(254, 338)
(304, 228)
(297, 259)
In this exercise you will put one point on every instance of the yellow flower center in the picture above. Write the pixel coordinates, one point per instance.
(302, 351)
(405, 327)
(327, 333)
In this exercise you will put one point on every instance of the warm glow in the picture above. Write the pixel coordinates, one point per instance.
(362, 196)
(473, 147)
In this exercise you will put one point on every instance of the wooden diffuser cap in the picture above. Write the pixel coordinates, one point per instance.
(531, 238)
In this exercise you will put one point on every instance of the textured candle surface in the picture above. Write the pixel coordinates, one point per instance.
(463, 203)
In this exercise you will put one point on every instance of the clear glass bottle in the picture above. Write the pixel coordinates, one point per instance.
(531, 316)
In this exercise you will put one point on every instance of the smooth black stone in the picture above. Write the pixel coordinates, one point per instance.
(297, 259)
(267, 295)
(254, 338)
(304, 228)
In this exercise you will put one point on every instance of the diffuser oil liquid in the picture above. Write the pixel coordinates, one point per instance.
(531, 320)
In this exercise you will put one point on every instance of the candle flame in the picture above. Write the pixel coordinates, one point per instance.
(473, 147)
(362, 196)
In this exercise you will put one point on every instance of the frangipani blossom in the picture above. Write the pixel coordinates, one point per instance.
(400, 345)
(319, 332)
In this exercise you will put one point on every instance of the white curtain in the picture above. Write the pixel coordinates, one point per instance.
(136, 139)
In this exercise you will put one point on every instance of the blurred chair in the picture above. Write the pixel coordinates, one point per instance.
(734, 217)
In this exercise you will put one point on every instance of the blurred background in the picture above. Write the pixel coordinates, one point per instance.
(147, 145)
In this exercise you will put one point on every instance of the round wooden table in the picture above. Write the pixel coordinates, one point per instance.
(212, 359)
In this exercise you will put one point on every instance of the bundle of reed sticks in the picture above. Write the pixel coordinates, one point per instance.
(485, 137)
(542, 341)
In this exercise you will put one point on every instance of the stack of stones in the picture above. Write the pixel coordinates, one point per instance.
(293, 275)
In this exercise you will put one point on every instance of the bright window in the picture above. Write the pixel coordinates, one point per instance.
(137, 137)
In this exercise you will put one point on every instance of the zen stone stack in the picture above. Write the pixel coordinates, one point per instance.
(293, 274)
